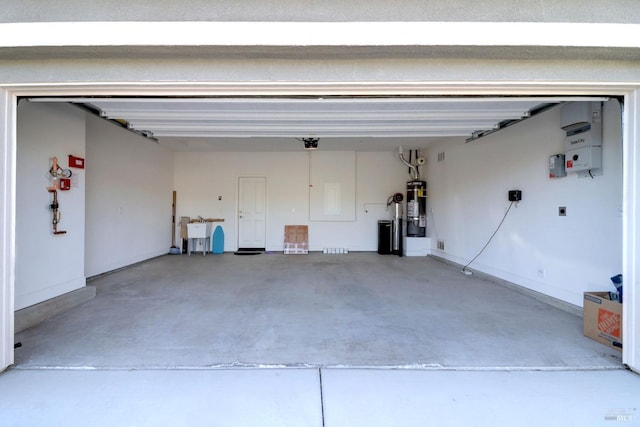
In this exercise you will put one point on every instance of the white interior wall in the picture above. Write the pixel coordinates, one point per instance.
(378, 176)
(129, 197)
(536, 248)
(48, 265)
(201, 177)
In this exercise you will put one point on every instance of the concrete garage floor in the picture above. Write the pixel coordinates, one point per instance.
(359, 309)
(275, 340)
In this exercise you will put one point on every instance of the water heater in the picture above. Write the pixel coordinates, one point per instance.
(416, 208)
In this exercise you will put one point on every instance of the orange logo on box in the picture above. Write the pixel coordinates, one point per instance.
(609, 322)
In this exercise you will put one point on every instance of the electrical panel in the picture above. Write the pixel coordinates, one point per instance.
(582, 121)
(556, 166)
(585, 158)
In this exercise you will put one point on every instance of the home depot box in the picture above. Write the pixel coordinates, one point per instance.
(296, 239)
(603, 319)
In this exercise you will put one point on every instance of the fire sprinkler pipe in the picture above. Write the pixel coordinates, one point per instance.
(56, 214)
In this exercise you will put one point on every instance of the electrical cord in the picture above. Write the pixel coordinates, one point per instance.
(464, 269)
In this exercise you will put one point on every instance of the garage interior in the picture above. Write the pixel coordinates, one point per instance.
(519, 308)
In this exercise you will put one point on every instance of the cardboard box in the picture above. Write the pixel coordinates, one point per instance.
(603, 319)
(296, 248)
(296, 239)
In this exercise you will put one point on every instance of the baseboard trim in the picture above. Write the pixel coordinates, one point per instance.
(555, 302)
(125, 267)
(31, 316)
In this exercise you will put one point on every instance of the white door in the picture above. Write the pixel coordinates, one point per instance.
(252, 212)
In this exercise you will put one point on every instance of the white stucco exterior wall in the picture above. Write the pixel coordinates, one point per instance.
(329, 10)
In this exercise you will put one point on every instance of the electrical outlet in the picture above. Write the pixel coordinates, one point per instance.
(441, 245)
(515, 195)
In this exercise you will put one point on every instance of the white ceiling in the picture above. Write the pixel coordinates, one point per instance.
(341, 123)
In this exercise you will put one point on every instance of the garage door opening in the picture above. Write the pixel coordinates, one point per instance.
(367, 156)
(359, 325)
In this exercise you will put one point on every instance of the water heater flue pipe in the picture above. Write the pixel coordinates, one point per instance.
(414, 170)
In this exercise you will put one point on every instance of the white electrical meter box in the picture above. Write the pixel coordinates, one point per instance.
(581, 140)
(582, 121)
(556, 166)
(580, 114)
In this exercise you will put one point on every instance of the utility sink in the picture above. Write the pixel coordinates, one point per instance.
(199, 233)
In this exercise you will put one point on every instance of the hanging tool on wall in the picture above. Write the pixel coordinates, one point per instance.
(57, 173)
(174, 250)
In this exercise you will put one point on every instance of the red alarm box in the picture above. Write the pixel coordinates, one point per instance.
(65, 184)
(76, 162)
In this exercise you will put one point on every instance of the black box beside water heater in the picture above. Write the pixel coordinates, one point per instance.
(515, 195)
(385, 237)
